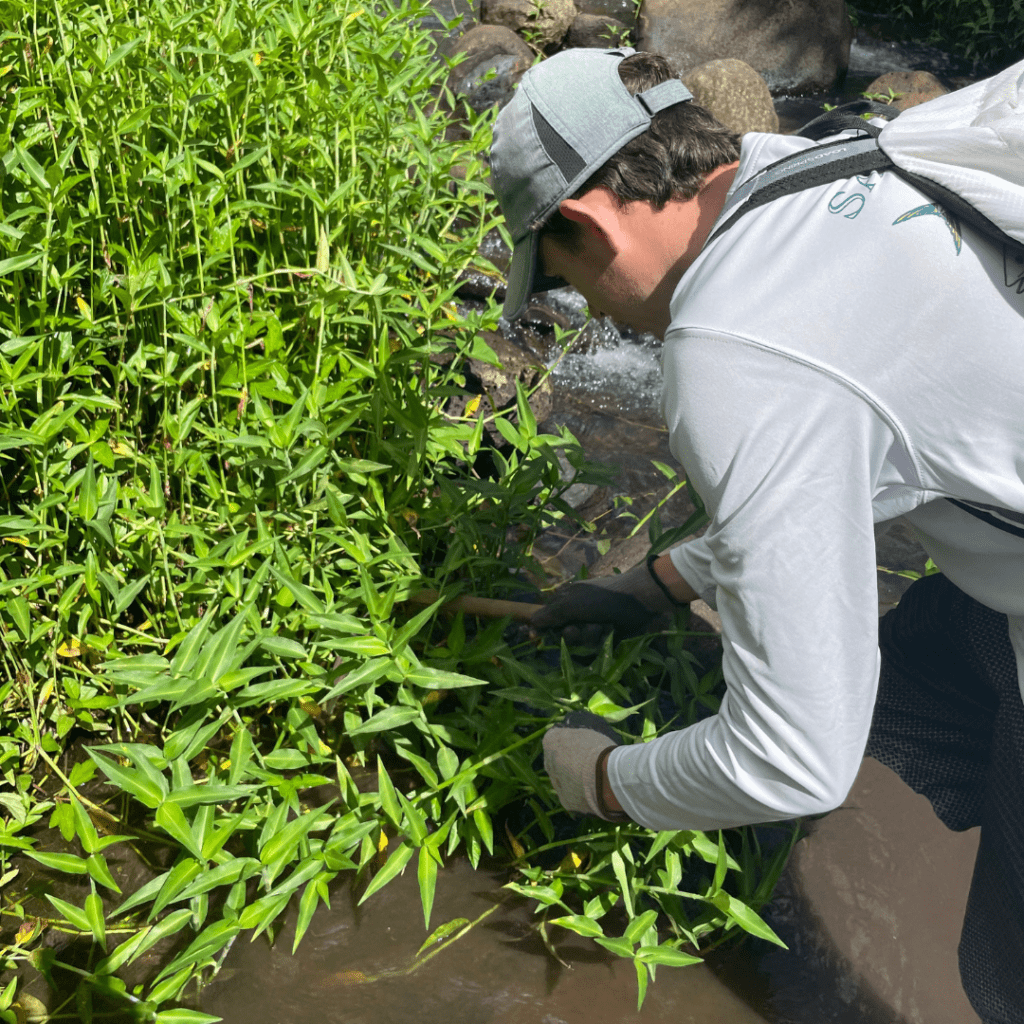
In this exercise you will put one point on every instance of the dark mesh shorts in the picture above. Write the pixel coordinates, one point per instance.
(950, 721)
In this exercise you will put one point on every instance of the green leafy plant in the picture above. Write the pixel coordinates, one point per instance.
(990, 31)
(230, 243)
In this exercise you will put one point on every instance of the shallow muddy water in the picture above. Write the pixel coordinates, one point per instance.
(498, 973)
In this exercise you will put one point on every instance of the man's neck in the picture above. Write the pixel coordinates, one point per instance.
(689, 222)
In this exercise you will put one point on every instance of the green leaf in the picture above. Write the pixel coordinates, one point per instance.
(400, 856)
(388, 799)
(618, 946)
(94, 915)
(142, 787)
(426, 874)
(287, 839)
(443, 932)
(283, 647)
(641, 983)
(437, 679)
(307, 907)
(99, 870)
(66, 863)
(636, 928)
(300, 592)
(389, 718)
(286, 759)
(171, 818)
(579, 924)
(721, 863)
(749, 921)
(667, 955)
(619, 868)
(121, 52)
(70, 912)
(88, 502)
(183, 1016)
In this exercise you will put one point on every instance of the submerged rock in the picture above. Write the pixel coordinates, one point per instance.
(910, 87)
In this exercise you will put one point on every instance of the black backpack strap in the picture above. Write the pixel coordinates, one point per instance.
(803, 170)
(846, 158)
(848, 117)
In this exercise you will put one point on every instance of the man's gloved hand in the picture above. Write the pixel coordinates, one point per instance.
(573, 758)
(632, 602)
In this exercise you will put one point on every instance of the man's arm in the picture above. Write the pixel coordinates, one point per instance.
(786, 458)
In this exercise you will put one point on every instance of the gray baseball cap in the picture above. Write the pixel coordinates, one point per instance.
(567, 118)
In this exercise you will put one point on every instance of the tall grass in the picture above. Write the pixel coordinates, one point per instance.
(230, 237)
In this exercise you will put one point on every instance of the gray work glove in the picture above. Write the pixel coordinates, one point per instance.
(573, 754)
(632, 602)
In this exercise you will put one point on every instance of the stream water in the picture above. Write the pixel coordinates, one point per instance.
(843, 908)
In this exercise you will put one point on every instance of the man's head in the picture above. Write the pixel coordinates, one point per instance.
(587, 119)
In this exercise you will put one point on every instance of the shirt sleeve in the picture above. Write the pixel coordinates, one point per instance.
(784, 455)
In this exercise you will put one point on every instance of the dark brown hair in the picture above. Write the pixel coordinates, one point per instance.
(670, 160)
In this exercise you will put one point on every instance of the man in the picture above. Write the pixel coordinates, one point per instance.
(839, 357)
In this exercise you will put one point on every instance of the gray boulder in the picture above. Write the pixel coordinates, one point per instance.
(597, 31)
(542, 23)
(735, 93)
(798, 46)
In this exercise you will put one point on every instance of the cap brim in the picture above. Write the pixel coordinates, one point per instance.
(520, 276)
(525, 278)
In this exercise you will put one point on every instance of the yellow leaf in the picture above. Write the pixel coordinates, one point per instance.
(571, 862)
(120, 448)
(72, 648)
(83, 307)
(472, 405)
(23, 541)
(311, 708)
(257, 58)
(5, 69)
(517, 847)
(28, 930)
(46, 692)
(382, 843)
(146, 625)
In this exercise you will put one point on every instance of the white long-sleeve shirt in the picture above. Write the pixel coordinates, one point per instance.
(837, 358)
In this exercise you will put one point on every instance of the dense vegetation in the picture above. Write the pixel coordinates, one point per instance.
(988, 31)
(230, 238)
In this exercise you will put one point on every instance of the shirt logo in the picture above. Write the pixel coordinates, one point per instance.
(931, 209)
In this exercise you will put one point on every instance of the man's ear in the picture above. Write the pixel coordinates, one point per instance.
(597, 212)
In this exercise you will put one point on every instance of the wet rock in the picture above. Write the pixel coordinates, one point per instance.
(735, 93)
(621, 10)
(544, 22)
(578, 494)
(597, 31)
(911, 88)
(799, 46)
(493, 388)
(481, 51)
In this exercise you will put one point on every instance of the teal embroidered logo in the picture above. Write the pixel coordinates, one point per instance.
(849, 204)
(931, 209)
